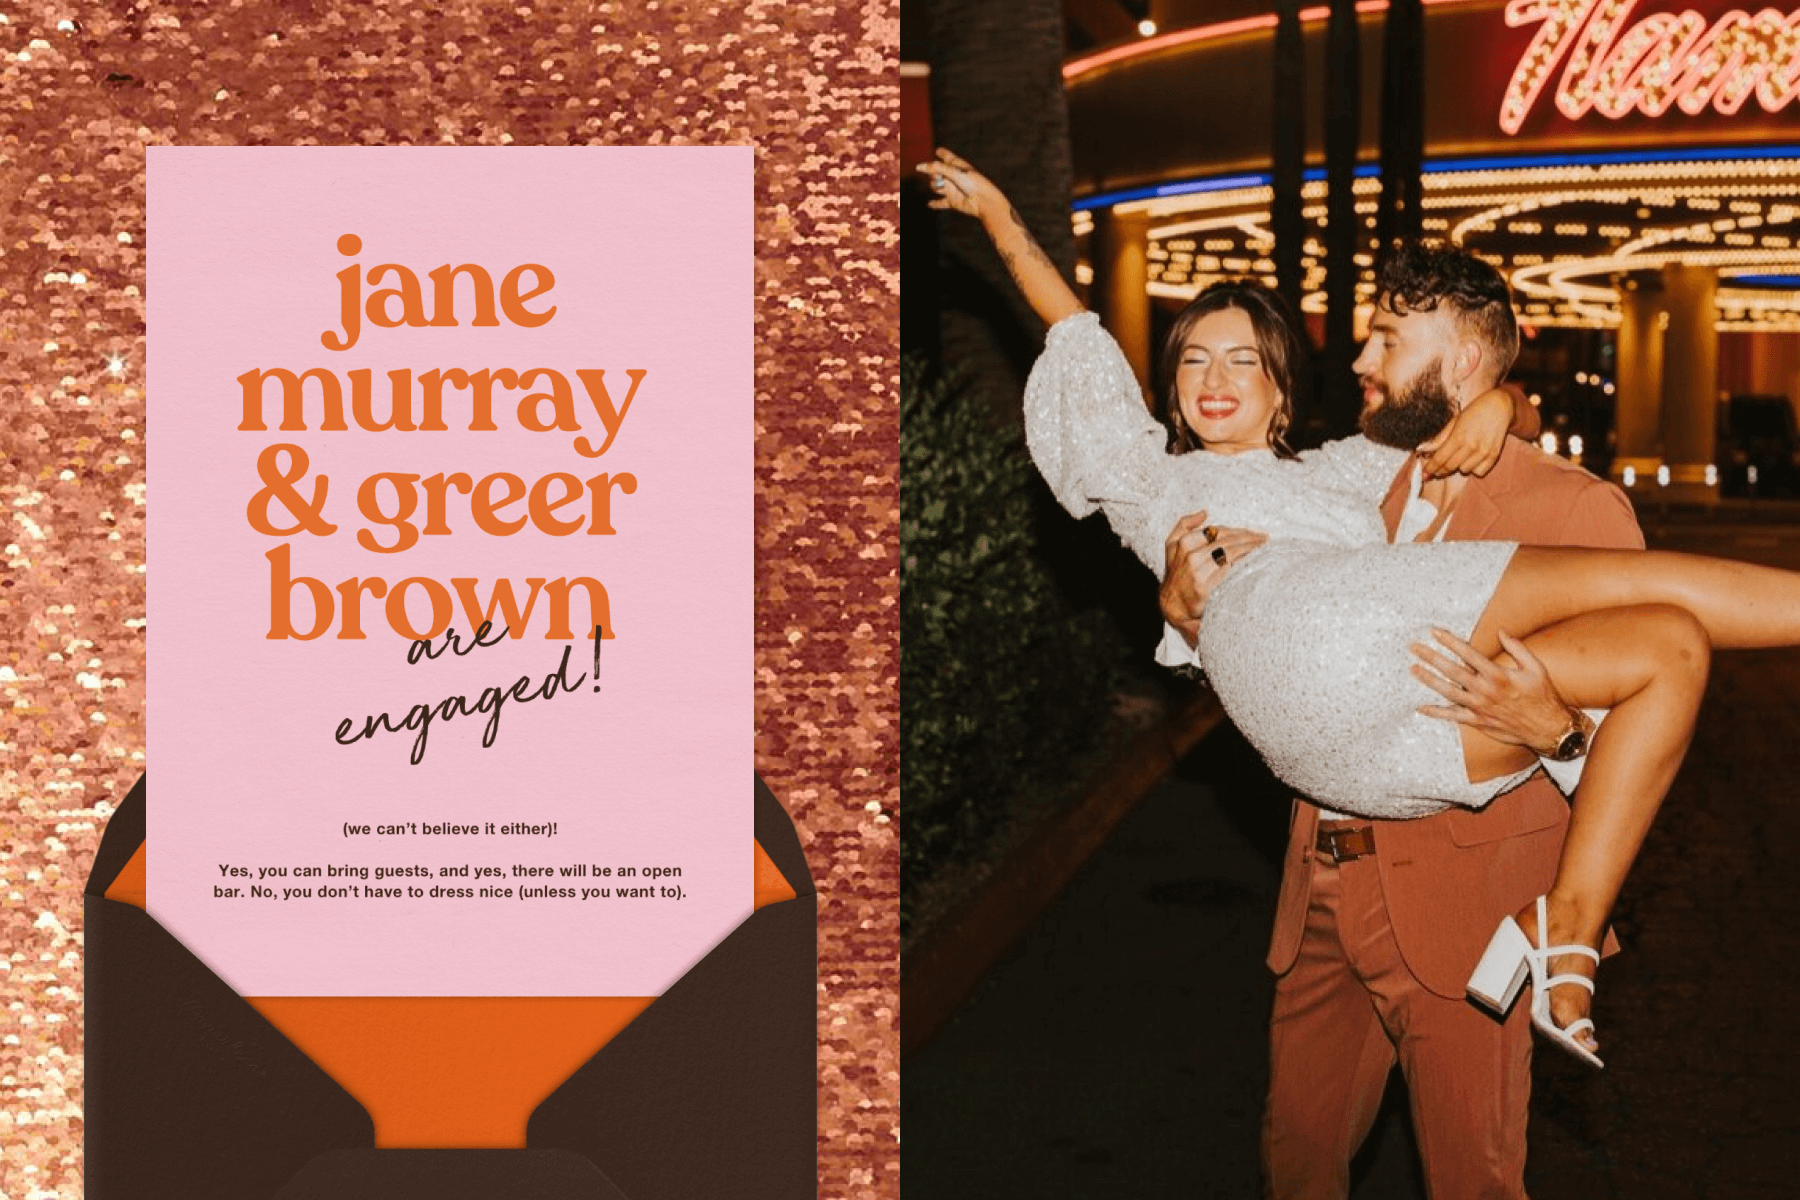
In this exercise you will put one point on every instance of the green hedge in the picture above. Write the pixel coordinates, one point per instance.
(1001, 687)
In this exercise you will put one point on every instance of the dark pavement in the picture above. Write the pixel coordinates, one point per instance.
(1118, 1051)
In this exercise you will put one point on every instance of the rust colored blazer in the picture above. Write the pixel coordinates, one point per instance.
(1449, 878)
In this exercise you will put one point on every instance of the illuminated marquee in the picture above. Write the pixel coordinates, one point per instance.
(1663, 60)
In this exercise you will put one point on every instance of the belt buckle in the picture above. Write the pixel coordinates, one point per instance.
(1332, 841)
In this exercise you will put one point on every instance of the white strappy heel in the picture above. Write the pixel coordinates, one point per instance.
(1509, 959)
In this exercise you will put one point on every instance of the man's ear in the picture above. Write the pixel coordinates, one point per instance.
(1466, 364)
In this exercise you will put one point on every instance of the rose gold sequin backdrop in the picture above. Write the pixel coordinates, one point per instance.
(83, 89)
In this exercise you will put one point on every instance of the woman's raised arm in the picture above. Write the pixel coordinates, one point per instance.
(962, 188)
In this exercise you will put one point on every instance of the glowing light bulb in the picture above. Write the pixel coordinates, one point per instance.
(1146, 28)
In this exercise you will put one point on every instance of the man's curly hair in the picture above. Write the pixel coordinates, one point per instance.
(1416, 276)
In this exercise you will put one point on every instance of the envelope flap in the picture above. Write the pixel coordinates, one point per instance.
(124, 833)
(450, 1175)
(775, 833)
(712, 1091)
(189, 1091)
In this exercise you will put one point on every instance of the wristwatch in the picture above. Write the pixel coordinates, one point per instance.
(1574, 741)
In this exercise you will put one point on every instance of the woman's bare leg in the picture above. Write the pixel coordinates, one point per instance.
(1648, 665)
(1651, 661)
(1740, 605)
(1631, 631)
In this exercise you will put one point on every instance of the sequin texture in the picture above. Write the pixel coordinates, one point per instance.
(813, 85)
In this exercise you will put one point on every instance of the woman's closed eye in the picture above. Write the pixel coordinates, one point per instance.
(1236, 359)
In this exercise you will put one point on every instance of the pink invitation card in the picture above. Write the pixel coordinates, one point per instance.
(423, 421)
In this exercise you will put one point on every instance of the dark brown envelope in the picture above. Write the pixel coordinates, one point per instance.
(709, 1093)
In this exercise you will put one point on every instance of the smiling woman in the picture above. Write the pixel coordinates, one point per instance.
(1230, 362)
(1227, 399)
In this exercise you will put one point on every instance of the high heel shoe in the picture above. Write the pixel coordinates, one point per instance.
(1509, 959)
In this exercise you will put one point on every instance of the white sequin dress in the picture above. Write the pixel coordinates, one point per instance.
(1306, 641)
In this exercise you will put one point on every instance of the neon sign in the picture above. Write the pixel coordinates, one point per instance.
(1662, 61)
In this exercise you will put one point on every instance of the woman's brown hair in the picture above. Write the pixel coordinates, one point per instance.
(1278, 341)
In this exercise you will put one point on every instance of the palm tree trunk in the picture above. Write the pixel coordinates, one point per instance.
(997, 100)
(1343, 229)
(1402, 120)
(1286, 219)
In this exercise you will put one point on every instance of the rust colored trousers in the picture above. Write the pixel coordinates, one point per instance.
(1345, 1012)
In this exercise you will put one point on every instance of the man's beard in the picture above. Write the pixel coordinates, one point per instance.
(1415, 413)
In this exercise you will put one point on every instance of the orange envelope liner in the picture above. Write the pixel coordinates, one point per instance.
(194, 1091)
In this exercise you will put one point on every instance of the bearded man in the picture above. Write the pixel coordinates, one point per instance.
(1379, 923)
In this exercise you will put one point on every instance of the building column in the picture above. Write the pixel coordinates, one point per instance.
(1690, 381)
(1637, 419)
(1121, 287)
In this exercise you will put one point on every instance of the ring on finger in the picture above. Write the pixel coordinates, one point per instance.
(1219, 556)
(1211, 532)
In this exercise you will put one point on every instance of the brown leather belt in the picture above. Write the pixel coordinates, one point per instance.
(1343, 843)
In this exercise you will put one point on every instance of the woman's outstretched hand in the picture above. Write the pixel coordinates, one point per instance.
(961, 188)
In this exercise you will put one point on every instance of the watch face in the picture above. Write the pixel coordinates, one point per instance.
(1574, 745)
